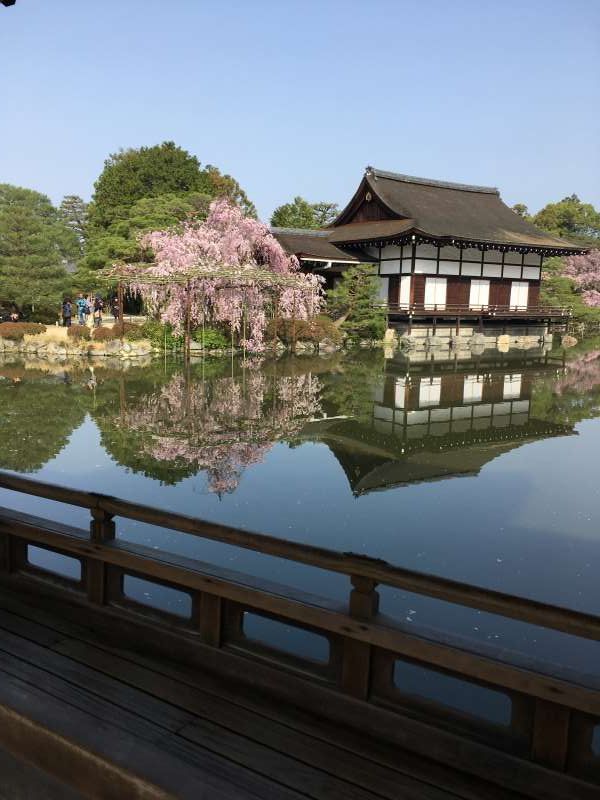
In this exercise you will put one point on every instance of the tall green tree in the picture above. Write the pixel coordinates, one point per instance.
(521, 209)
(570, 218)
(302, 214)
(73, 212)
(149, 188)
(34, 244)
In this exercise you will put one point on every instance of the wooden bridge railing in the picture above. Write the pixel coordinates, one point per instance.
(544, 744)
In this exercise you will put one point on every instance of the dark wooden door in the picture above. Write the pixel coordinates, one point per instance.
(394, 290)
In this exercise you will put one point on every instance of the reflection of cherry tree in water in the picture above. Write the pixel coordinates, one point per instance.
(581, 375)
(224, 425)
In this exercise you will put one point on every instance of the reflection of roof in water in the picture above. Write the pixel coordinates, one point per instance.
(374, 461)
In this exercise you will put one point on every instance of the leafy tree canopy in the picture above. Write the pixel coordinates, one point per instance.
(569, 218)
(34, 244)
(521, 209)
(151, 188)
(302, 214)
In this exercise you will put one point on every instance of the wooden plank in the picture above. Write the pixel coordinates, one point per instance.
(399, 730)
(84, 752)
(22, 781)
(410, 769)
(147, 717)
(227, 713)
(146, 724)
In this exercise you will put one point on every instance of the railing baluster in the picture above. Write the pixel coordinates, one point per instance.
(209, 619)
(102, 529)
(550, 734)
(356, 663)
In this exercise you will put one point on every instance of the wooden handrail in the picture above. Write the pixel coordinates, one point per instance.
(547, 615)
(486, 309)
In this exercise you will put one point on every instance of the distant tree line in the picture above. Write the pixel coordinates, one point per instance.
(47, 252)
(570, 219)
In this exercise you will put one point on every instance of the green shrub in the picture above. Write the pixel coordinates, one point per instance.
(104, 335)
(78, 332)
(160, 334)
(120, 330)
(305, 330)
(17, 330)
(211, 338)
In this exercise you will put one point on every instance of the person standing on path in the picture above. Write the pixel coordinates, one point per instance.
(98, 309)
(81, 308)
(67, 310)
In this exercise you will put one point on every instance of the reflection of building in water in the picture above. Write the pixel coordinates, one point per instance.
(431, 423)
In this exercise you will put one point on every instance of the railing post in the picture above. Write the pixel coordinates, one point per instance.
(208, 618)
(356, 665)
(550, 734)
(102, 529)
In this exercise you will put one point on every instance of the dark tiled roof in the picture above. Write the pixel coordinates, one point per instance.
(305, 243)
(446, 211)
(378, 231)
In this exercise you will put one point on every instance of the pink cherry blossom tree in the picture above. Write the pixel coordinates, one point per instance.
(585, 272)
(228, 269)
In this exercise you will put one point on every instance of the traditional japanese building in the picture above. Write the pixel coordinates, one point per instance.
(445, 250)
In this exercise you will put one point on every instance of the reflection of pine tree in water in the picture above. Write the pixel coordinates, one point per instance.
(38, 413)
(219, 426)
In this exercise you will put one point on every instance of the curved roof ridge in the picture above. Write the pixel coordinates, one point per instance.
(300, 231)
(397, 176)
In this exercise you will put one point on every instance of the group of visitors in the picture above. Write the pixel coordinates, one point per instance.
(86, 306)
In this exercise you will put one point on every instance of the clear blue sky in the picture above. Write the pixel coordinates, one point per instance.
(298, 97)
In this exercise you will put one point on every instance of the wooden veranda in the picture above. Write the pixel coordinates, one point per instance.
(457, 313)
(113, 698)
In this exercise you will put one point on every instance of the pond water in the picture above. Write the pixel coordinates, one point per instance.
(482, 468)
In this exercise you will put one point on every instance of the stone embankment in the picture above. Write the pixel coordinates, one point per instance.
(52, 345)
(472, 339)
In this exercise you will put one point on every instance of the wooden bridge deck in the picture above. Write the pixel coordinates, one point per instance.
(115, 698)
(113, 723)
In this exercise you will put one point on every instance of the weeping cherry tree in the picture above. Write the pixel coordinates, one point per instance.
(228, 269)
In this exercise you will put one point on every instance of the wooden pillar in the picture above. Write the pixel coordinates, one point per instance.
(102, 529)
(356, 664)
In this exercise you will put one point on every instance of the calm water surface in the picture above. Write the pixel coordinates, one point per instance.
(482, 468)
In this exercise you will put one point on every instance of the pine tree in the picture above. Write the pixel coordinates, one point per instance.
(32, 249)
(355, 300)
